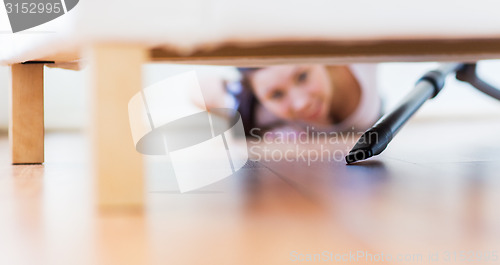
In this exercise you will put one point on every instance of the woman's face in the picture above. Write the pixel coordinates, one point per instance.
(300, 92)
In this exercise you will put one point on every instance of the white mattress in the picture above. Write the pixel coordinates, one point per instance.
(188, 25)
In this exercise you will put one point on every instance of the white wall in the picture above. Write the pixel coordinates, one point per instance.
(4, 97)
(457, 100)
(66, 99)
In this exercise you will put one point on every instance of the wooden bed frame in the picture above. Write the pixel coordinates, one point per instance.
(116, 76)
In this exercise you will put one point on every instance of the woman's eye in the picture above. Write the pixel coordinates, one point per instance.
(277, 94)
(302, 77)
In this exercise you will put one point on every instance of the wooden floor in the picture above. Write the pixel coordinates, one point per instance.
(431, 198)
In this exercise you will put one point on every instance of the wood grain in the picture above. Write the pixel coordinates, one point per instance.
(252, 53)
(434, 189)
(26, 127)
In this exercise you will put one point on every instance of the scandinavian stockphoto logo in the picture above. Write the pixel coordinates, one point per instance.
(203, 146)
(25, 14)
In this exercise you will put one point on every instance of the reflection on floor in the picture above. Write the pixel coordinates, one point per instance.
(431, 198)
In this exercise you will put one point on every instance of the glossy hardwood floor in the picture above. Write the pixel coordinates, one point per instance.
(431, 198)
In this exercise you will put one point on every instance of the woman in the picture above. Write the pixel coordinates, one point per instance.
(330, 98)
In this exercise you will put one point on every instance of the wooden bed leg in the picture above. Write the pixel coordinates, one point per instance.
(116, 72)
(26, 128)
